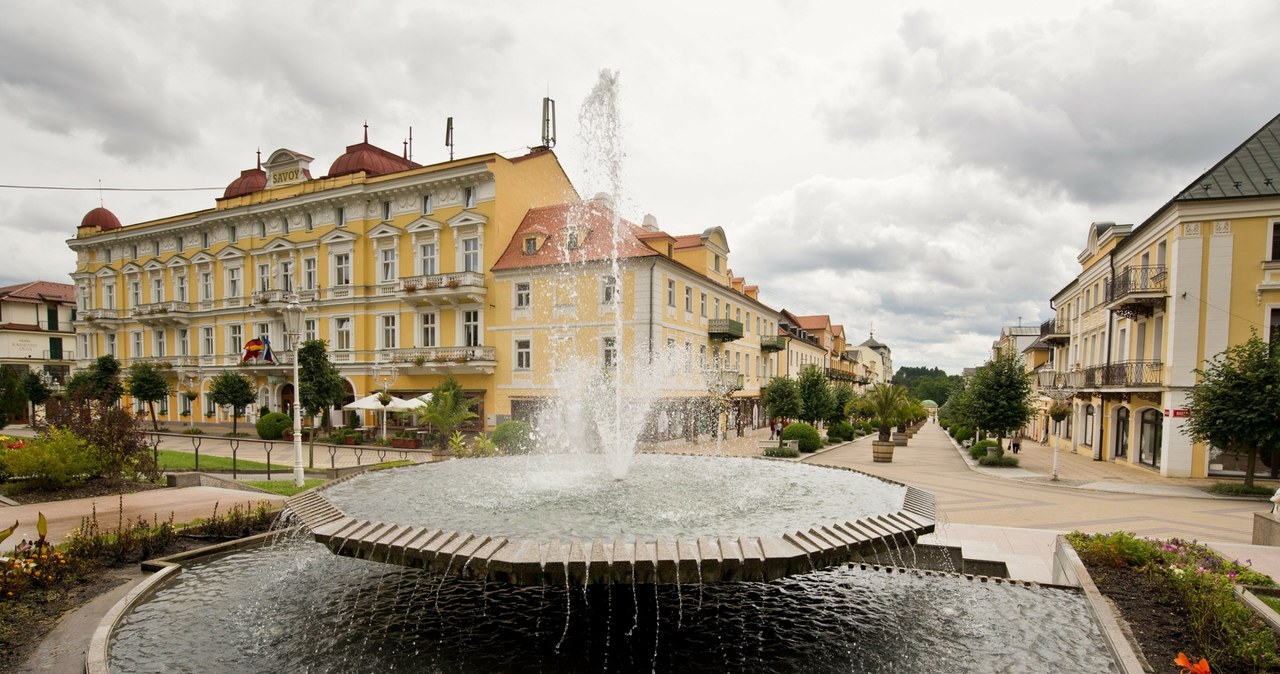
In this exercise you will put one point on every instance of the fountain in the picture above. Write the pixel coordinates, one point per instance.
(600, 559)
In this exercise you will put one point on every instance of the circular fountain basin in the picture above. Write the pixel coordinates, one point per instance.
(551, 519)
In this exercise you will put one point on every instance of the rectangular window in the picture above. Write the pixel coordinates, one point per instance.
(717, 307)
(111, 345)
(264, 277)
(109, 297)
(530, 245)
(468, 197)
(233, 235)
(161, 347)
(180, 288)
(427, 207)
(390, 340)
(747, 325)
(1275, 241)
(387, 266)
(671, 292)
(340, 216)
(135, 350)
(471, 328)
(427, 259)
(524, 354)
(428, 331)
(264, 331)
(309, 273)
(307, 222)
(342, 333)
(688, 299)
(235, 339)
(286, 276)
(206, 337)
(342, 269)
(386, 211)
(204, 241)
(233, 282)
(471, 254)
(309, 330)
(523, 295)
(133, 251)
(179, 243)
(609, 351)
(607, 287)
(702, 305)
(157, 289)
(184, 347)
(135, 293)
(206, 285)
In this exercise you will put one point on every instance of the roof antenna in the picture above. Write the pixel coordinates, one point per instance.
(448, 136)
(873, 329)
(259, 159)
(366, 131)
(411, 143)
(548, 122)
(100, 202)
(405, 150)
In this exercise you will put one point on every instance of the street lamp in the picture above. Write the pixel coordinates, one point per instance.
(1059, 396)
(293, 329)
(386, 376)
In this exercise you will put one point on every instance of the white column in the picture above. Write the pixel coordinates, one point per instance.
(1184, 314)
(1175, 455)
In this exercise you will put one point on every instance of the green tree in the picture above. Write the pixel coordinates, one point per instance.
(446, 410)
(782, 400)
(885, 404)
(13, 399)
(234, 389)
(1233, 406)
(146, 383)
(320, 385)
(815, 390)
(37, 391)
(841, 394)
(998, 399)
(103, 381)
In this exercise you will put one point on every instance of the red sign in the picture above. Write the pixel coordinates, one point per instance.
(1178, 413)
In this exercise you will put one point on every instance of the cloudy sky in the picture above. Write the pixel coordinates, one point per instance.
(926, 169)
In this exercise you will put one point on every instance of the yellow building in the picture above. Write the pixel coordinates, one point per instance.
(1154, 301)
(390, 258)
(675, 303)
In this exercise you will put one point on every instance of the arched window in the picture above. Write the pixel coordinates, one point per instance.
(1122, 433)
(1088, 426)
(1150, 439)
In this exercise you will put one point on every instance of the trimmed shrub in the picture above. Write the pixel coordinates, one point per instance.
(783, 452)
(979, 449)
(808, 436)
(515, 437)
(58, 459)
(841, 431)
(273, 425)
(998, 461)
(961, 432)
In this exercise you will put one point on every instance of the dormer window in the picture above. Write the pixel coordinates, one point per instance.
(530, 245)
(571, 239)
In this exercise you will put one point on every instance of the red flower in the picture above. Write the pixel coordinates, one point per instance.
(1201, 667)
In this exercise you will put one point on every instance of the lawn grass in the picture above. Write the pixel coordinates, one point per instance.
(284, 487)
(1238, 489)
(175, 461)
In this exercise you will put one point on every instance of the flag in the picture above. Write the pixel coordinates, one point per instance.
(267, 354)
(252, 349)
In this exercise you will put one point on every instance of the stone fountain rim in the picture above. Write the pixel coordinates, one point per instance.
(529, 561)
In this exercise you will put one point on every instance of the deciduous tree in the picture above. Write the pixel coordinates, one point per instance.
(147, 384)
(235, 390)
(998, 398)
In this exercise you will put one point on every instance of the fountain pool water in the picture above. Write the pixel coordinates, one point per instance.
(294, 607)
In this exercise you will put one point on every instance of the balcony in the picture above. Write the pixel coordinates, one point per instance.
(774, 343)
(464, 287)
(724, 329)
(442, 359)
(1124, 374)
(1137, 292)
(834, 374)
(723, 382)
(162, 313)
(95, 315)
(272, 302)
(1055, 331)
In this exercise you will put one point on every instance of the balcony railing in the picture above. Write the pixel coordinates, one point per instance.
(99, 315)
(840, 375)
(724, 381)
(1152, 280)
(1128, 373)
(437, 289)
(724, 329)
(438, 356)
(774, 343)
(1055, 329)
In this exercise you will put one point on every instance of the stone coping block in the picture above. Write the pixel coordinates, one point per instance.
(578, 562)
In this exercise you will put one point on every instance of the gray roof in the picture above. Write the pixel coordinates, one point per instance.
(1251, 170)
(873, 344)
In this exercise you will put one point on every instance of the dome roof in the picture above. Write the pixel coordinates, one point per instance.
(100, 218)
(373, 160)
(250, 181)
(928, 403)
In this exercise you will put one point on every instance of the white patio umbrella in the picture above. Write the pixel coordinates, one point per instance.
(374, 402)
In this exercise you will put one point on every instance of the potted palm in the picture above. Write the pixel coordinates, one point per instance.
(446, 410)
(886, 405)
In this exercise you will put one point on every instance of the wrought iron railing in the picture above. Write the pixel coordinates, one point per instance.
(1123, 373)
(1055, 326)
(1145, 279)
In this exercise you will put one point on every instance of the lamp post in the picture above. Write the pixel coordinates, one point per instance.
(293, 329)
(1058, 395)
(385, 375)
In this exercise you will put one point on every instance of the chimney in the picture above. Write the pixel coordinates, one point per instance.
(650, 223)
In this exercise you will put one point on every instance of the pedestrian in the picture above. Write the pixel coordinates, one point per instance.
(1017, 443)
(773, 429)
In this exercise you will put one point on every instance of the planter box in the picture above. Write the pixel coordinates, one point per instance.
(405, 443)
(288, 436)
(882, 452)
(348, 441)
(900, 439)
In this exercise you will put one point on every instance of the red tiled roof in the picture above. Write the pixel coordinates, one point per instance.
(593, 219)
(100, 218)
(250, 181)
(688, 240)
(19, 326)
(371, 159)
(39, 291)
(812, 323)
